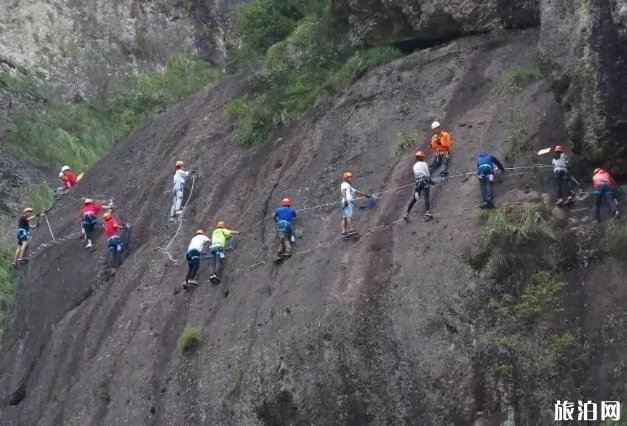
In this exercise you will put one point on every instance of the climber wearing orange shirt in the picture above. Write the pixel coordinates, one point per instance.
(441, 144)
(604, 187)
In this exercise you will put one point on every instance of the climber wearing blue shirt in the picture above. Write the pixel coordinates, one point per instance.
(485, 171)
(284, 217)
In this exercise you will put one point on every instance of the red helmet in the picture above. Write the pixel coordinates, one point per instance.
(347, 175)
(221, 224)
(286, 202)
(179, 164)
(107, 216)
(558, 148)
(28, 210)
(420, 155)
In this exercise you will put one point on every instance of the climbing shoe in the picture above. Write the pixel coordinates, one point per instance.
(428, 215)
(444, 174)
(559, 202)
(88, 245)
(484, 205)
(406, 217)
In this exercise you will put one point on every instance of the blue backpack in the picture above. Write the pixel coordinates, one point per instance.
(484, 162)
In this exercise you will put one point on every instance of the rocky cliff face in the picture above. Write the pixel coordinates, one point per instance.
(93, 45)
(375, 331)
(381, 22)
(584, 51)
(582, 46)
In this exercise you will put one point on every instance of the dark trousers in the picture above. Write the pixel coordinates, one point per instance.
(438, 160)
(486, 188)
(601, 192)
(216, 261)
(562, 184)
(114, 251)
(422, 188)
(193, 264)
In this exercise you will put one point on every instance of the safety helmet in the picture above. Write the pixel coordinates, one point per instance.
(435, 125)
(221, 224)
(597, 170)
(106, 216)
(179, 164)
(27, 210)
(558, 148)
(64, 168)
(89, 201)
(420, 154)
(286, 202)
(347, 175)
(199, 231)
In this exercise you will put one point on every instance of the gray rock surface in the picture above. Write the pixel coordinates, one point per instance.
(583, 50)
(94, 45)
(379, 22)
(375, 331)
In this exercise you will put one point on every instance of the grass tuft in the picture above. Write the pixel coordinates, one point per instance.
(40, 197)
(190, 339)
(518, 79)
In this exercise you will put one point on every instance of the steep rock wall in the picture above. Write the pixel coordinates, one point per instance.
(367, 332)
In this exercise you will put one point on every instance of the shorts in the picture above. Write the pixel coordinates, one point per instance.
(114, 244)
(217, 252)
(22, 235)
(347, 212)
(284, 227)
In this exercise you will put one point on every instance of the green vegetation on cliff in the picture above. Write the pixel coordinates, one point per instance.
(306, 55)
(80, 133)
(8, 283)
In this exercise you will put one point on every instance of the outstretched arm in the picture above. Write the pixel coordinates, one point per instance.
(498, 164)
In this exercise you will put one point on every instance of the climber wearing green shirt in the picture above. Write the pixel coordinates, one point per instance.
(219, 239)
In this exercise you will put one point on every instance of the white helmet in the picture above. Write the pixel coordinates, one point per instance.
(435, 125)
(64, 168)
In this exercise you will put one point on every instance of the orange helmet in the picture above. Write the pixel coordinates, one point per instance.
(221, 224)
(106, 216)
(558, 148)
(199, 231)
(179, 164)
(347, 175)
(420, 154)
(597, 170)
(28, 210)
(286, 202)
(89, 201)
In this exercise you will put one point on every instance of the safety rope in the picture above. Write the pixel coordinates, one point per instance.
(180, 220)
(50, 228)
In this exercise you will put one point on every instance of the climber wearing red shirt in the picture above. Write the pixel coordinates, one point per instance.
(68, 177)
(114, 242)
(89, 218)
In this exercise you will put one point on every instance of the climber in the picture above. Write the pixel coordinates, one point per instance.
(562, 175)
(23, 229)
(194, 250)
(423, 181)
(179, 180)
(347, 203)
(284, 217)
(219, 238)
(114, 242)
(68, 177)
(604, 186)
(89, 218)
(485, 172)
(441, 144)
